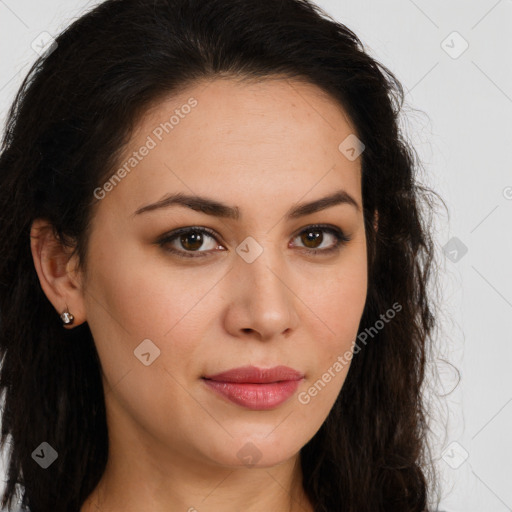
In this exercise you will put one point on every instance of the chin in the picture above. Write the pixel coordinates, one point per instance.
(254, 452)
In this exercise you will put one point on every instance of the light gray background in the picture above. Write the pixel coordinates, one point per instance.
(459, 118)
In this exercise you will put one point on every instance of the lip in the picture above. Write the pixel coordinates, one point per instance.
(256, 388)
(255, 375)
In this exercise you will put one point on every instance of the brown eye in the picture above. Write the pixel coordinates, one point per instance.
(192, 240)
(187, 241)
(313, 238)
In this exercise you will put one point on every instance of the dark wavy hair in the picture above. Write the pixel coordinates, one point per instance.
(71, 119)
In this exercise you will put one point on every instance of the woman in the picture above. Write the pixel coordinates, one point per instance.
(214, 268)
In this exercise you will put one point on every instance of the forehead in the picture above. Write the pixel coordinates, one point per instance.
(234, 139)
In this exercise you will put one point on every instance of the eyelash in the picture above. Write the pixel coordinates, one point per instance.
(341, 239)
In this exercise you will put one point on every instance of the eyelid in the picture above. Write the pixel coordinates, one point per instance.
(176, 232)
(172, 235)
(342, 238)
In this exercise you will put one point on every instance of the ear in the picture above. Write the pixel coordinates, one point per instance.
(57, 271)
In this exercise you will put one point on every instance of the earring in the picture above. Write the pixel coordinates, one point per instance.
(67, 318)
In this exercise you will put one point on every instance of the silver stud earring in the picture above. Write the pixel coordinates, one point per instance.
(67, 318)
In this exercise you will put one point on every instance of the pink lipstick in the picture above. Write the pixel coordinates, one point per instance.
(256, 388)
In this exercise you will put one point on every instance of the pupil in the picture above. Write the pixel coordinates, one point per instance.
(196, 237)
(315, 236)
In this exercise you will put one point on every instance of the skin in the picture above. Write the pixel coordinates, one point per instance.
(263, 147)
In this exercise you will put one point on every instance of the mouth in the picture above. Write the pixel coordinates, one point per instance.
(256, 388)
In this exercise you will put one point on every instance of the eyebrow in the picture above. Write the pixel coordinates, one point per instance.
(218, 209)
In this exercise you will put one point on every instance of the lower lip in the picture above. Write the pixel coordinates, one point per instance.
(257, 397)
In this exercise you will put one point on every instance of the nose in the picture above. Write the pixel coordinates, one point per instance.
(263, 304)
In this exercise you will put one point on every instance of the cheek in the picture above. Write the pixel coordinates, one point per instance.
(130, 301)
(336, 307)
(344, 308)
(340, 316)
(338, 301)
(145, 299)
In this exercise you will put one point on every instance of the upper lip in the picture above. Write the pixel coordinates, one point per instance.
(255, 375)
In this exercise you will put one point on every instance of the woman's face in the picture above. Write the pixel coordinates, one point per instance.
(249, 292)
